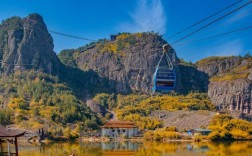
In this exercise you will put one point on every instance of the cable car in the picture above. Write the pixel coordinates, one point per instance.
(164, 80)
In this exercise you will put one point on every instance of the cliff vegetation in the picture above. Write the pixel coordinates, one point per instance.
(226, 127)
(80, 89)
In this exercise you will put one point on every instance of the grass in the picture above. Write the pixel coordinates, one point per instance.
(229, 77)
(239, 72)
(213, 58)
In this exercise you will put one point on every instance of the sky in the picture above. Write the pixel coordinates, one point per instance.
(98, 19)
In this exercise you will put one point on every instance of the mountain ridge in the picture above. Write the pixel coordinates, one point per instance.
(106, 72)
(26, 44)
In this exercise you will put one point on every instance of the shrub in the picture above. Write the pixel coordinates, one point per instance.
(148, 135)
(160, 134)
(214, 135)
(6, 116)
(226, 128)
(171, 129)
(199, 138)
(239, 134)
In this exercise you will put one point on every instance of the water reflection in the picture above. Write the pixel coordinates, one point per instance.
(113, 145)
(120, 148)
(137, 149)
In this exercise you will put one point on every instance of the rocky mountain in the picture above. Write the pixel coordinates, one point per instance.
(126, 64)
(230, 82)
(36, 89)
(218, 65)
(26, 44)
(122, 65)
(130, 60)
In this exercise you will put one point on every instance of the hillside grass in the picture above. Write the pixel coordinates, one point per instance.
(212, 59)
(229, 77)
(137, 108)
(126, 40)
(239, 72)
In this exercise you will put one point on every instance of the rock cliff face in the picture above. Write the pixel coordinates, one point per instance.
(96, 107)
(130, 68)
(233, 95)
(190, 79)
(230, 82)
(26, 44)
(130, 62)
(217, 65)
(127, 64)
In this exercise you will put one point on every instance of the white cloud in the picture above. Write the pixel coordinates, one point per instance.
(231, 48)
(238, 16)
(148, 15)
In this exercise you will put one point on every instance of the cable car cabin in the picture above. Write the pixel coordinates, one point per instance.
(164, 80)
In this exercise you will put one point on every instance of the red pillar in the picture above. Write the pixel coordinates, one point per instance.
(16, 146)
(1, 145)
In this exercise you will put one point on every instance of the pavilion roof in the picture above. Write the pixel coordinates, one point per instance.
(119, 124)
(201, 130)
(7, 133)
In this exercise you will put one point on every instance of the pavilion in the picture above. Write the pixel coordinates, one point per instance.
(10, 137)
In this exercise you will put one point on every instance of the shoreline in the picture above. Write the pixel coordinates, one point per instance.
(140, 139)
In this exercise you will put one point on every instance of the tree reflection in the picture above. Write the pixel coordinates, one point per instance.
(139, 149)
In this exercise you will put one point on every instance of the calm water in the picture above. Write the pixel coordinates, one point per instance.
(137, 149)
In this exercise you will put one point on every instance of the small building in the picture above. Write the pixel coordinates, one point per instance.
(9, 137)
(113, 37)
(222, 112)
(199, 131)
(116, 129)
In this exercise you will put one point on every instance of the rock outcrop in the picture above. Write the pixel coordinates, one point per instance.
(96, 107)
(217, 65)
(26, 44)
(124, 65)
(130, 68)
(129, 63)
(230, 82)
(232, 95)
(190, 79)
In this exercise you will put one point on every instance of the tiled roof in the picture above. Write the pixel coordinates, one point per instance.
(119, 124)
(202, 130)
(7, 133)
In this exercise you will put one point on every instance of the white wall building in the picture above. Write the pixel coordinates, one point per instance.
(116, 129)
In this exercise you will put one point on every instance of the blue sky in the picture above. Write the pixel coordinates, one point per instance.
(96, 19)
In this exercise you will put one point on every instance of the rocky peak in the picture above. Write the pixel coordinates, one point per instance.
(234, 95)
(218, 65)
(128, 62)
(230, 82)
(26, 44)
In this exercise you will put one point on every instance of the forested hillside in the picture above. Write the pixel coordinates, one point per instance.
(35, 100)
(80, 89)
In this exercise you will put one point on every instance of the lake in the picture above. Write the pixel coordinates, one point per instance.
(137, 149)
